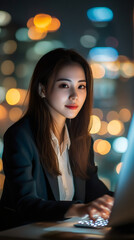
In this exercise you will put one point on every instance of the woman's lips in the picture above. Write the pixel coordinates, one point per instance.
(71, 107)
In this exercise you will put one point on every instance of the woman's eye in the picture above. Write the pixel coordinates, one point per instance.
(63, 85)
(82, 87)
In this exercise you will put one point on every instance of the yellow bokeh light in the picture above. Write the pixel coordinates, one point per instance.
(35, 33)
(97, 70)
(9, 47)
(98, 112)
(42, 20)
(112, 115)
(3, 112)
(115, 127)
(102, 147)
(125, 114)
(95, 124)
(1, 165)
(54, 25)
(118, 167)
(15, 114)
(103, 129)
(12, 96)
(96, 144)
(7, 67)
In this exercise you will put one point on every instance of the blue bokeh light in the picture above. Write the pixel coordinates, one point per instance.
(22, 35)
(120, 144)
(100, 14)
(103, 54)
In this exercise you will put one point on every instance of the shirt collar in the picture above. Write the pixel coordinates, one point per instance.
(66, 140)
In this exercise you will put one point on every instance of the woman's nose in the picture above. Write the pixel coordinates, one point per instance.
(73, 96)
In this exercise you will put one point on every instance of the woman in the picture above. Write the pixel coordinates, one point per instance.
(48, 154)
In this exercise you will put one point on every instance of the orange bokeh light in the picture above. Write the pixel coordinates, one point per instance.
(125, 114)
(42, 20)
(54, 25)
(97, 70)
(3, 112)
(102, 147)
(115, 127)
(30, 22)
(35, 33)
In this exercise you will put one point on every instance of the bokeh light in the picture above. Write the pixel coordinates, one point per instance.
(24, 96)
(15, 114)
(97, 70)
(118, 167)
(1, 165)
(12, 96)
(103, 54)
(30, 22)
(9, 82)
(127, 69)
(22, 70)
(42, 20)
(120, 144)
(115, 127)
(46, 46)
(102, 146)
(5, 18)
(125, 114)
(54, 25)
(3, 112)
(7, 67)
(88, 41)
(112, 115)
(9, 47)
(2, 179)
(35, 33)
(112, 42)
(98, 112)
(100, 14)
(95, 124)
(103, 129)
(112, 69)
(22, 35)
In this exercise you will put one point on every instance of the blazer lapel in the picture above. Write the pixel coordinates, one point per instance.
(53, 181)
(79, 188)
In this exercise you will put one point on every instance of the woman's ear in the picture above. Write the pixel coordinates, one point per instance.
(41, 91)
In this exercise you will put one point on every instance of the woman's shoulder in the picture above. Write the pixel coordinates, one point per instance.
(22, 125)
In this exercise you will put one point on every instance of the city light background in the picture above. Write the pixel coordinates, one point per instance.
(101, 31)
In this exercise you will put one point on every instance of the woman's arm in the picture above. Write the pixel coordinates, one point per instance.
(19, 162)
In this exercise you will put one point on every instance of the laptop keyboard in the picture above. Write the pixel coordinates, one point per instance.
(88, 223)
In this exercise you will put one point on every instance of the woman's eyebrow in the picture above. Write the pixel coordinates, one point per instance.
(68, 80)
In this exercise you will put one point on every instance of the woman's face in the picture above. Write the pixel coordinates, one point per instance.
(68, 92)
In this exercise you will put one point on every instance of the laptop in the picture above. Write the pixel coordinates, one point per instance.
(123, 209)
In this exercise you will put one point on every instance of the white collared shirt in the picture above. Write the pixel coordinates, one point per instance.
(65, 181)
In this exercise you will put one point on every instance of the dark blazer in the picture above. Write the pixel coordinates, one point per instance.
(30, 193)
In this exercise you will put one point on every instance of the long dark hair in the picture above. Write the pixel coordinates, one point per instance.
(42, 121)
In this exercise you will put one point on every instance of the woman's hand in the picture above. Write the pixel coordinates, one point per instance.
(100, 207)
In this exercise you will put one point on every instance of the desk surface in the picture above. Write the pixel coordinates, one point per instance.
(58, 231)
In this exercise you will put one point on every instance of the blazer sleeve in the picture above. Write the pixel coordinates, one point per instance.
(18, 166)
(95, 188)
